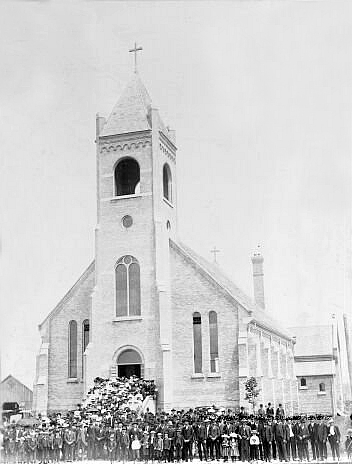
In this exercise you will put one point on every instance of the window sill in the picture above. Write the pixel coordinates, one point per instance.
(168, 203)
(72, 380)
(197, 376)
(303, 388)
(127, 318)
(321, 393)
(214, 375)
(126, 197)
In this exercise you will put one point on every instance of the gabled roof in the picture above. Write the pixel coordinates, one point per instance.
(260, 316)
(71, 292)
(11, 378)
(313, 340)
(132, 111)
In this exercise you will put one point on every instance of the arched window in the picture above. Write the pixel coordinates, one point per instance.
(128, 287)
(72, 349)
(127, 177)
(197, 343)
(167, 182)
(303, 382)
(322, 387)
(214, 348)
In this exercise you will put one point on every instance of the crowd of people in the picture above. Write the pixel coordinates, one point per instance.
(113, 423)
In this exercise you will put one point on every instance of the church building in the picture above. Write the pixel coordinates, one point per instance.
(148, 304)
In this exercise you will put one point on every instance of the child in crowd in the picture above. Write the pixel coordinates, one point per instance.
(159, 446)
(225, 445)
(254, 446)
(135, 447)
(145, 447)
(167, 447)
(234, 450)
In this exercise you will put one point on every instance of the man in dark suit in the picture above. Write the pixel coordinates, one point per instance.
(200, 435)
(270, 411)
(313, 437)
(334, 438)
(267, 440)
(280, 434)
(261, 411)
(280, 413)
(302, 440)
(171, 433)
(322, 437)
(187, 433)
(91, 442)
(245, 434)
(214, 440)
(291, 440)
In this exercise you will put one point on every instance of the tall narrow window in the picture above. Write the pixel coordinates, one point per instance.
(214, 348)
(85, 340)
(167, 183)
(197, 342)
(322, 387)
(127, 177)
(72, 349)
(85, 334)
(128, 287)
(303, 382)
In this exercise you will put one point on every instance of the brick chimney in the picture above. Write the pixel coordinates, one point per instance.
(258, 278)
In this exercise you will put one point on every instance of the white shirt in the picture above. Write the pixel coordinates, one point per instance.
(291, 433)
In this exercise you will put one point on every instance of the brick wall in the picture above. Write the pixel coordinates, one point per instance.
(193, 292)
(111, 335)
(311, 400)
(62, 393)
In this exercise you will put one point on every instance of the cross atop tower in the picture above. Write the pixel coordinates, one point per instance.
(215, 251)
(135, 50)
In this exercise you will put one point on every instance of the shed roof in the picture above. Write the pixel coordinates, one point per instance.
(313, 340)
(309, 368)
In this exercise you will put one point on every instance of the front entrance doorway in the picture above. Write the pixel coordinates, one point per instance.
(129, 363)
(128, 370)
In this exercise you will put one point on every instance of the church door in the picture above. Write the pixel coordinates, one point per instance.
(128, 370)
(129, 363)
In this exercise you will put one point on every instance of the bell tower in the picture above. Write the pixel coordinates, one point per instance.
(136, 215)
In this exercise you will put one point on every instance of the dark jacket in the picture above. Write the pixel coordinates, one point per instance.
(322, 432)
(281, 432)
(187, 433)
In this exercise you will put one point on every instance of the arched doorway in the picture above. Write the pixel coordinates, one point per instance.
(129, 362)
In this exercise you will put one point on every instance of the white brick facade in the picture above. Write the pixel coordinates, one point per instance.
(174, 283)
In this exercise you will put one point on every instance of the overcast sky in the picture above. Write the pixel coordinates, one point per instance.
(259, 94)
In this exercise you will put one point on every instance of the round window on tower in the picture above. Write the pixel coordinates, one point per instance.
(127, 221)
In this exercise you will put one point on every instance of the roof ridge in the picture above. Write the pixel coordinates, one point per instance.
(260, 316)
(69, 293)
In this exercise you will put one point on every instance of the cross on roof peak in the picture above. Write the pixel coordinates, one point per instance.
(215, 251)
(135, 50)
